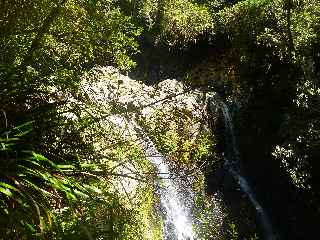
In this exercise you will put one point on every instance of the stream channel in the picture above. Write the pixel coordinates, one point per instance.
(233, 166)
(232, 202)
(176, 205)
(177, 200)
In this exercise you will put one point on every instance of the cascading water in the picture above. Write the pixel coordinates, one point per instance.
(233, 164)
(174, 198)
(177, 212)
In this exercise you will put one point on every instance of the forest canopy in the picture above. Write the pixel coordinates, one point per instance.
(264, 54)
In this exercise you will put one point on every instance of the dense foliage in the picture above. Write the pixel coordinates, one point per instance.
(56, 183)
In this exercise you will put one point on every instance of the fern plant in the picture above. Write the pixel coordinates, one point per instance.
(31, 186)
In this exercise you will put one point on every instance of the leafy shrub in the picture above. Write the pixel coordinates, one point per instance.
(176, 134)
(30, 185)
(184, 22)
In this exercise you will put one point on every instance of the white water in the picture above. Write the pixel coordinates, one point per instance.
(174, 200)
(105, 90)
(233, 164)
(177, 213)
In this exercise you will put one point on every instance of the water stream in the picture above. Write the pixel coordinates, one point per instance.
(175, 206)
(175, 199)
(233, 164)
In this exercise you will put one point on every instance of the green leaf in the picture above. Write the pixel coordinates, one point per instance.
(39, 157)
(6, 191)
(8, 186)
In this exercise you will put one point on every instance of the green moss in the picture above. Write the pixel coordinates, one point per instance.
(178, 135)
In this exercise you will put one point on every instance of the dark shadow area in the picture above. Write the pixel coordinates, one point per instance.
(238, 207)
(285, 204)
(259, 124)
(158, 62)
(240, 210)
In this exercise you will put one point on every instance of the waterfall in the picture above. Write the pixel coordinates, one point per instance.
(233, 164)
(174, 197)
(178, 221)
(177, 212)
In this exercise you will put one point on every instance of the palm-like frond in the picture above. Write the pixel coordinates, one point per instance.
(30, 183)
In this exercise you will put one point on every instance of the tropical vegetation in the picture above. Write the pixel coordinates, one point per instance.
(63, 158)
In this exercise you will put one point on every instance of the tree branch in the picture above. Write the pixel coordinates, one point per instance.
(41, 32)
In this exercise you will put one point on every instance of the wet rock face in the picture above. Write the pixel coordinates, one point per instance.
(175, 116)
(178, 112)
(121, 94)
